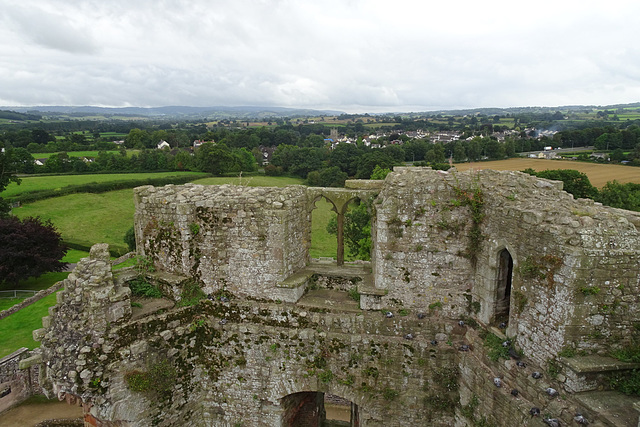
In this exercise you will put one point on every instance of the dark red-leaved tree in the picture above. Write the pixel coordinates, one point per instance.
(29, 248)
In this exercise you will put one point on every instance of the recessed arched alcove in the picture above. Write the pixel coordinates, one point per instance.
(317, 409)
(504, 279)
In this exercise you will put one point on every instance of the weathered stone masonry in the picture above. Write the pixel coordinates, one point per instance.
(485, 247)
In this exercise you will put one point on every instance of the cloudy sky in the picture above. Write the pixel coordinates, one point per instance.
(349, 55)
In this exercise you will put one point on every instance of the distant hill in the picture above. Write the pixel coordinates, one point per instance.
(182, 112)
(17, 116)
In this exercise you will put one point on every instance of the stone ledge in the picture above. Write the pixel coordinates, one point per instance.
(595, 363)
(296, 280)
(30, 361)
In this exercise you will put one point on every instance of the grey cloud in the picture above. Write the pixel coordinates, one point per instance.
(47, 29)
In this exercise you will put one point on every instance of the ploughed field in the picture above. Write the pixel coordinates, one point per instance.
(599, 174)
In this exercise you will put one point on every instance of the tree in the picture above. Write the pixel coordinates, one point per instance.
(29, 248)
(357, 231)
(623, 196)
(215, 158)
(327, 177)
(576, 183)
(8, 167)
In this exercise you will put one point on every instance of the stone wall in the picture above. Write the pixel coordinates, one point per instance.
(574, 277)
(239, 238)
(18, 380)
(567, 283)
(90, 304)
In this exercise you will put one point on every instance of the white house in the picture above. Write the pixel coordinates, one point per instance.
(163, 144)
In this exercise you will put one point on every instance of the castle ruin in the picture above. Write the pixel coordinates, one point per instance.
(458, 260)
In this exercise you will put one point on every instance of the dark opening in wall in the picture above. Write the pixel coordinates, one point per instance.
(503, 288)
(307, 409)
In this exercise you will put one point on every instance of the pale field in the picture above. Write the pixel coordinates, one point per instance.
(599, 174)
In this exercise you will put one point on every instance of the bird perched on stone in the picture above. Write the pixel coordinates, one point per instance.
(464, 347)
(552, 422)
(506, 344)
(521, 364)
(497, 381)
(536, 375)
(388, 315)
(461, 323)
(224, 299)
(581, 419)
(409, 336)
(223, 322)
(421, 315)
(552, 392)
(211, 297)
(434, 342)
(534, 412)
(515, 392)
(503, 325)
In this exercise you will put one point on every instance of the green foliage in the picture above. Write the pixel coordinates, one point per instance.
(191, 294)
(136, 304)
(325, 376)
(590, 290)
(553, 369)
(215, 158)
(327, 177)
(576, 183)
(194, 228)
(29, 248)
(8, 166)
(520, 300)
(567, 352)
(144, 265)
(140, 287)
(623, 196)
(630, 353)
(354, 294)
(627, 383)
(160, 378)
(435, 305)
(473, 198)
(357, 231)
(130, 239)
(390, 394)
(496, 351)
(540, 268)
(380, 173)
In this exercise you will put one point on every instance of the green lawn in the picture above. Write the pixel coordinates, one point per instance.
(323, 244)
(87, 219)
(16, 330)
(33, 183)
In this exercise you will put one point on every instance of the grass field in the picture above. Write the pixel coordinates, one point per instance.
(87, 219)
(16, 330)
(33, 183)
(72, 154)
(599, 174)
(323, 244)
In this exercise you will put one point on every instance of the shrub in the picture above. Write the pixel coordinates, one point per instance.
(141, 288)
(191, 294)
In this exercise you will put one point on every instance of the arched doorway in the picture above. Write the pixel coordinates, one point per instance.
(317, 409)
(503, 286)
